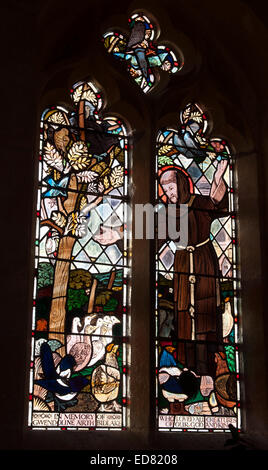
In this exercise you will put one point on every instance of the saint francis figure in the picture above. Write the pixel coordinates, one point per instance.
(198, 319)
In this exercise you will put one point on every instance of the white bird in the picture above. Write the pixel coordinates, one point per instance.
(79, 325)
(102, 327)
(227, 320)
(51, 246)
(107, 325)
(98, 352)
(93, 329)
(101, 337)
(105, 379)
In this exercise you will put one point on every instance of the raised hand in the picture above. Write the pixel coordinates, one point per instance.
(221, 167)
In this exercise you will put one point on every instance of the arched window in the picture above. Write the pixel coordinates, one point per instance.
(196, 279)
(80, 307)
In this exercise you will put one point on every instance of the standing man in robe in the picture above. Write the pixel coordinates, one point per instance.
(196, 270)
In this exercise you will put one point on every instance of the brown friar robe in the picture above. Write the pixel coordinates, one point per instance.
(196, 287)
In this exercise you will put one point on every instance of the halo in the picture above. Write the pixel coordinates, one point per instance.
(161, 194)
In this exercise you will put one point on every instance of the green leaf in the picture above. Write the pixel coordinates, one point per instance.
(111, 305)
(164, 160)
(76, 298)
(45, 275)
(230, 357)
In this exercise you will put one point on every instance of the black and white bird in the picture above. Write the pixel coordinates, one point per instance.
(58, 380)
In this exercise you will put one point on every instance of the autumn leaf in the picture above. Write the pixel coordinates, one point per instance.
(92, 187)
(83, 203)
(78, 156)
(99, 168)
(106, 182)
(116, 152)
(164, 149)
(72, 223)
(100, 187)
(107, 42)
(117, 176)
(76, 225)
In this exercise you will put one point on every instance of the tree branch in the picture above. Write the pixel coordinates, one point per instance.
(60, 206)
(52, 224)
(97, 201)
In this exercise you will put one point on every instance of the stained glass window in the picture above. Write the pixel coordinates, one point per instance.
(80, 325)
(143, 56)
(197, 282)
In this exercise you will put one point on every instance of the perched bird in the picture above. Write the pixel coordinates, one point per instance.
(107, 326)
(100, 326)
(101, 336)
(105, 380)
(52, 243)
(188, 147)
(225, 382)
(138, 44)
(166, 318)
(98, 352)
(227, 319)
(137, 34)
(93, 328)
(58, 381)
(79, 324)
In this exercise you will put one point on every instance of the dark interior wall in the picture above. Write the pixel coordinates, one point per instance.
(46, 47)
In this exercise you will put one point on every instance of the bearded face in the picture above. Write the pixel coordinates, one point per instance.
(171, 191)
(169, 184)
(175, 185)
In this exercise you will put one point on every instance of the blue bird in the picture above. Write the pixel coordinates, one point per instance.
(186, 145)
(56, 188)
(58, 382)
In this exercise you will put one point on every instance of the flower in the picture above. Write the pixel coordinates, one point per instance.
(41, 325)
(218, 146)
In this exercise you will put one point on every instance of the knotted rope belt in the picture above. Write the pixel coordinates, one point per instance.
(192, 280)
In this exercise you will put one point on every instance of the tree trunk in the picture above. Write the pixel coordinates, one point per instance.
(92, 296)
(59, 295)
